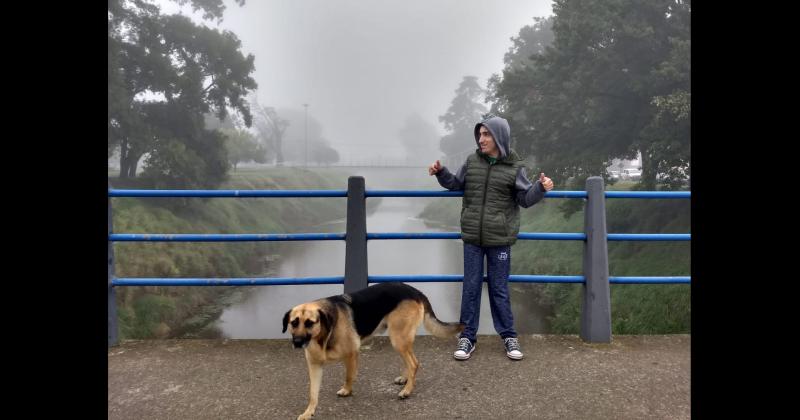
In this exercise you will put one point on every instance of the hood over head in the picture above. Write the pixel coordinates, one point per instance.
(500, 131)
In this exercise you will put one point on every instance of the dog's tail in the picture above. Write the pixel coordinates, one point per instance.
(436, 327)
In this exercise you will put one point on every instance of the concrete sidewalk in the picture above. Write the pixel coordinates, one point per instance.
(561, 377)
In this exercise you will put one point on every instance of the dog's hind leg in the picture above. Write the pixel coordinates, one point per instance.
(350, 366)
(405, 348)
(403, 379)
(403, 323)
(315, 380)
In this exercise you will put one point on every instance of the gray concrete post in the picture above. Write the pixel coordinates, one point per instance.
(112, 295)
(596, 306)
(355, 261)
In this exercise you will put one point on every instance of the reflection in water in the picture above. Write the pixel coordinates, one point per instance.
(261, 313)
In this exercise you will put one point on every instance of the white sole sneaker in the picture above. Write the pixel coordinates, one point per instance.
(513, 356)
(464, 356)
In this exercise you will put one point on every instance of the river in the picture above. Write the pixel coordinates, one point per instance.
(260, 312)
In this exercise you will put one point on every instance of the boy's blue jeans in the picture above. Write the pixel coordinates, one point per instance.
(499, 265)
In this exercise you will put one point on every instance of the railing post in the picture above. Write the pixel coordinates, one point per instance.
(596, 307)
(112, 295)
(355, 261)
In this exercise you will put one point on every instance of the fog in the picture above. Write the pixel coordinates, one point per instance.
(260, 313)
(365, 68)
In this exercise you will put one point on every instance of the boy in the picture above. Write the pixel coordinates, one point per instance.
(495, 185)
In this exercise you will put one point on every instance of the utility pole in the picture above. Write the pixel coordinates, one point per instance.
(306, 154)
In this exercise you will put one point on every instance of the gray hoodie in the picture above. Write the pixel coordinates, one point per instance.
(527, 193)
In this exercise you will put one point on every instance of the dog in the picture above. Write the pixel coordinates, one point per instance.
(332, 329)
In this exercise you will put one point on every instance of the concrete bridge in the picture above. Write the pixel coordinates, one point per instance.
(591, 376)
(561, 377)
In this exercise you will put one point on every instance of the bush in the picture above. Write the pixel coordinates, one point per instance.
(146, 316)
(167, 308)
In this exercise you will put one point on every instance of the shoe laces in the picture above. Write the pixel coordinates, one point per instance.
(464, 344)
(512, 344)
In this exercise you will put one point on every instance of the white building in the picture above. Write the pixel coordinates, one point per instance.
(620, 164)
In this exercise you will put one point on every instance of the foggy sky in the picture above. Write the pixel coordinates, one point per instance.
(365, 66)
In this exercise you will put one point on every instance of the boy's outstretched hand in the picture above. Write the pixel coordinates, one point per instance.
(547, 183)
(434, 168)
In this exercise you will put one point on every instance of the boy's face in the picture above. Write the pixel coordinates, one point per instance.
(486, 141)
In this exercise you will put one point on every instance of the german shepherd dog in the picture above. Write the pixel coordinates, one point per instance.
(332, 329)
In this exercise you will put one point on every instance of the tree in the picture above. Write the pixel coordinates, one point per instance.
(666, 139)
(462, 115)
(243, 147)
(295, 136)
(181, 152)
(161, 65)
(324, 154)
(614, 82)
(271, 127)
(509, 93)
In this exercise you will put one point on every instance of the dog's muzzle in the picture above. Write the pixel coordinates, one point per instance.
(300, 341)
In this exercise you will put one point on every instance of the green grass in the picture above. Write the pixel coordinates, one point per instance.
(146, 312)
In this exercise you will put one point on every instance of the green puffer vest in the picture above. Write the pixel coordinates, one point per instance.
(489, 212)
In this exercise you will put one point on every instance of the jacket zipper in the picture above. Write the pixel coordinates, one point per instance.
(483, 207)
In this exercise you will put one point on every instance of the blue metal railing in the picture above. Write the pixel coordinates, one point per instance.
(191, 237)
(381, 236)
(514, 278)
(650, 280)
(648, 194)
(227, 193)
(649, 237)
(183, 237)
(150, 237)
(428, 278)
(265, 281)
(373, 193)
(441, 278)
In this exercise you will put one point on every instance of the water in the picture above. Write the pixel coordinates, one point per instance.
(260, 314)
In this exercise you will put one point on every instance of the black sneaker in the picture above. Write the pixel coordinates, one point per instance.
(512, 348)
(465, 349)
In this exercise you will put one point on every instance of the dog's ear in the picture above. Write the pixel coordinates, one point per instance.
(327, 323)
(324, 320)
(286, 319)
(327, 320)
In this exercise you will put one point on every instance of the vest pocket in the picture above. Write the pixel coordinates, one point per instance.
(494, 225)
(470, 223)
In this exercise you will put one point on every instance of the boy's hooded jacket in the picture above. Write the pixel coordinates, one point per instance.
(492, 193)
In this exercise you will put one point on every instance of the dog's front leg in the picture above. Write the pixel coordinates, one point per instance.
(350, 365)
(315, 380)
